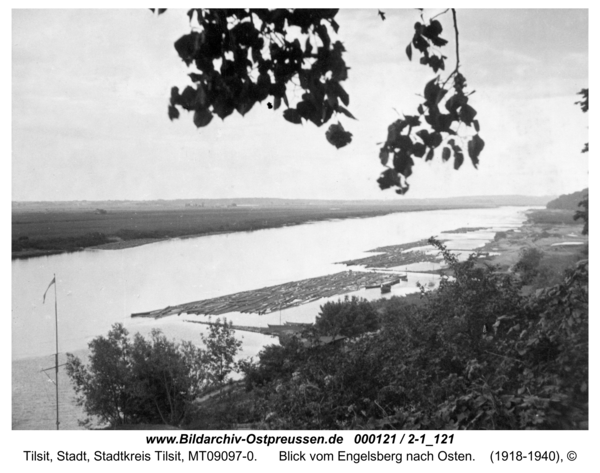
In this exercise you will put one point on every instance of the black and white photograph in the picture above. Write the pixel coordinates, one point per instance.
(299, 219)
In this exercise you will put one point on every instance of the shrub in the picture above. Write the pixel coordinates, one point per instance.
(150, 380)
(350, 317)
(529, 263)
(474, 354)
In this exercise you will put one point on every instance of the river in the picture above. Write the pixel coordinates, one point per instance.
(97, 288)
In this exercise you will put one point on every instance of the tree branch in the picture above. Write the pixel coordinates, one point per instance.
(440, 14)
(455, 71)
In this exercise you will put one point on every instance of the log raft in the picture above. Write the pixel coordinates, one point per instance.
(283, 296)
(394, 256)
(288, 328)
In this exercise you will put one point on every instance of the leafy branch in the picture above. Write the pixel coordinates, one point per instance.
(418, 136)
(228, 49)
(240, 57)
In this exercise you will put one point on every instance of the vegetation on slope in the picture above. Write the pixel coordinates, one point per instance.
(568, 201)
(478, 352)
(473, 354)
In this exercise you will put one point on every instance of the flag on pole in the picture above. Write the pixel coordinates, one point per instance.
(49, 286)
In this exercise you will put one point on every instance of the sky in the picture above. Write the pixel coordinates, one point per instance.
(90, 92)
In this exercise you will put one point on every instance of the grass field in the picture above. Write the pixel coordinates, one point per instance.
(45, 232)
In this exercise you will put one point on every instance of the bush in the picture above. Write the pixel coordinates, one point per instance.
(149, 381)
(350, 317)
(529, 264)
(474, 354)
(221, 349)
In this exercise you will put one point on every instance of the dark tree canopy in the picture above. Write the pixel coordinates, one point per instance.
(238, 57)
(149, 380)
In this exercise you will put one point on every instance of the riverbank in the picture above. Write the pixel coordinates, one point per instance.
(363, 382)
(558, 243)
(62, 230)
(99, 288)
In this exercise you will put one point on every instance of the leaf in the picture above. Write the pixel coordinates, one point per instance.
(429, 156)
(327, 113)
(186, 47)
(475, 147)
(388, 178)
(467, 114)
(187, 99)
(438, 41)
(412, 120)
(276, 103)
(202, 117)
(223, 107)
(409, 51)
(431, 91)
(174, 95)
(309, 111)
(340, 92)
(307, 47)
(476, 125)
(434, 28)
(334, 25)
(458, 158)
(436, 63)
(343, 110)
(173, 112)
(332, 100)
(403, 163)
(324, 36)
(403, 189)
(446, 153)
(455, 102)
(384, 156)
(443, 122)
(418, 150)
(337, 136)
(394, 132)
(435, 139)
(244, 106)
(292, 115)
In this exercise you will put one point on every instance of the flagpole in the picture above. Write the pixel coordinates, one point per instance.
(56, 356)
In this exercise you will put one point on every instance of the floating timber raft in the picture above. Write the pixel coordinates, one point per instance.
(393, 256)
(288, 328)
(283, 296)
(466, 230)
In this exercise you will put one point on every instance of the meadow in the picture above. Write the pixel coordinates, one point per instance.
(37, 232)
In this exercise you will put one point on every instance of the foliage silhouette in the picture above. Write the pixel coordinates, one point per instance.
(238, 57)
(583, 214)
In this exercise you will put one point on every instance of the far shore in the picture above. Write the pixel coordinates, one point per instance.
(44, 234)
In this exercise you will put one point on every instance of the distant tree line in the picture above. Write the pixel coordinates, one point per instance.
(568, 201)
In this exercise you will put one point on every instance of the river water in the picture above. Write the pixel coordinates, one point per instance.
(97, 288)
